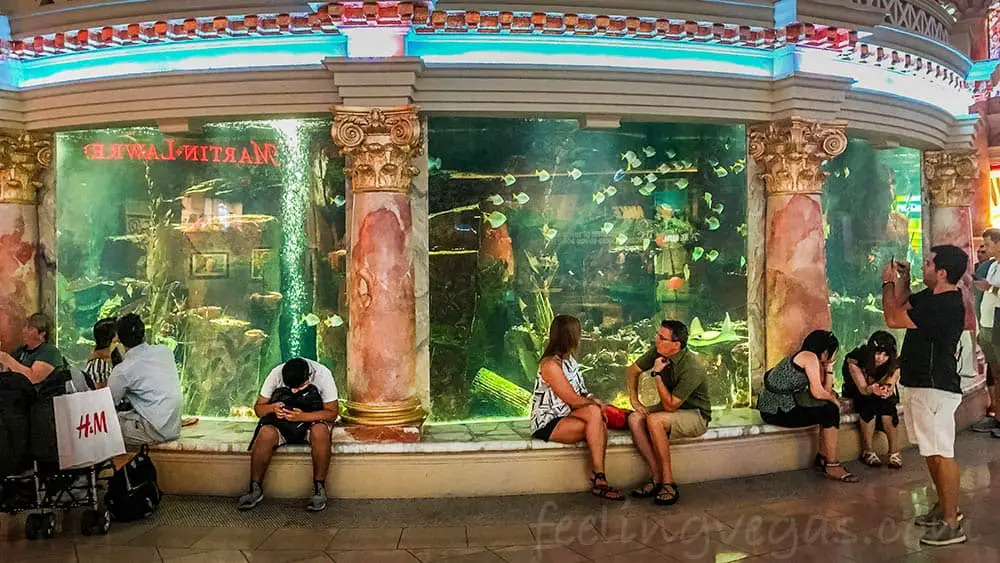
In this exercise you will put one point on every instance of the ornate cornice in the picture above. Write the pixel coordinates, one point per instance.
(790, 153)
(381, 143)
(24, 157)
(951, 177)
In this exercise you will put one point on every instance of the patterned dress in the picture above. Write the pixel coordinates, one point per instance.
(546, 406)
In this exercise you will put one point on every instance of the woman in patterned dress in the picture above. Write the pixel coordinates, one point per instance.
(562, 410)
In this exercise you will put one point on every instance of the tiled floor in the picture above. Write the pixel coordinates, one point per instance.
(796, 517)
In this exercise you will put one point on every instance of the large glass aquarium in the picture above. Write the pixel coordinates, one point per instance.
(871, 201)
(228, 242)
(622, 228)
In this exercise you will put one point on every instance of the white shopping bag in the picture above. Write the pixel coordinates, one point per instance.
(87, 429)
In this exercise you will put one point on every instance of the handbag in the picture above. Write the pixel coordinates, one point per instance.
(617, 418)
(133, 493)
(802, 396)
(87, 429)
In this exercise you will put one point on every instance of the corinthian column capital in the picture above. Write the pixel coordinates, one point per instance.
(381, 143)
(951, 177)
(790, 153)
(24, 157)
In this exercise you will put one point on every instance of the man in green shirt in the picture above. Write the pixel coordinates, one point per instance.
(36, 359)
(684, 410)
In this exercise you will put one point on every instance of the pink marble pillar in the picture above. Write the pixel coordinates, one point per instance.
(381, 351)
(789, 154)
(951, 178)
(23, 160)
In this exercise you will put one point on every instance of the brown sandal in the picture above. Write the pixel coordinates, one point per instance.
(605, 491)
(649, 489)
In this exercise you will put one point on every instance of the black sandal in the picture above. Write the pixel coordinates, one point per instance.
(605, 491)
(819, 464)
(669, 494)
(847, 477)
(648, 490)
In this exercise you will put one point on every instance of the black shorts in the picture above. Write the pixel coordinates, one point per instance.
(827, 416)
(545, 432)
(868, 408)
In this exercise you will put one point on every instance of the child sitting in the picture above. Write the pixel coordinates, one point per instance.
(297, 394)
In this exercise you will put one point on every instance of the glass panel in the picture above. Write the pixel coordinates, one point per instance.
(621, 228)
(228, 242)
(872, 204)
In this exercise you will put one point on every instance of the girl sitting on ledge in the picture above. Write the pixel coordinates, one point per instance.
(870, 376)
(561, 408)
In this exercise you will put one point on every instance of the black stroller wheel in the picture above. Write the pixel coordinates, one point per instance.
(95, 522)
(48, 525)
(33, 527)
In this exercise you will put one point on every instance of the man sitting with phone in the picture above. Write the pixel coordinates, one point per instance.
(293, 382)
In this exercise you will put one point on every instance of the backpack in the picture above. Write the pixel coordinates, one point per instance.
(133, 493)
(307, 399)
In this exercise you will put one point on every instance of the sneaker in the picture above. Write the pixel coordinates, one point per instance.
(986, 425)
(934, 517)
(943, 534)
(995, 433)
(318, 500)
(253, 496)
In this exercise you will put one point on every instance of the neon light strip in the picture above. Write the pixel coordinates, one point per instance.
(222, 54)
(624, 54)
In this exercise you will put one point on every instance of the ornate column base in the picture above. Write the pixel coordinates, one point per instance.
(403, 413)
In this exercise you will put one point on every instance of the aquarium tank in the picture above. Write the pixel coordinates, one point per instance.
(872, 211)
(530, 218)
(228, 242)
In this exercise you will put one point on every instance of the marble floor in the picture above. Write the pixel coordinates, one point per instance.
(795, 517)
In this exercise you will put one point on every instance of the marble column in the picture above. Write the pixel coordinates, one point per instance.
(789, 154)
(379, 144)
(950, 178)
(756, 296)
(24, 158)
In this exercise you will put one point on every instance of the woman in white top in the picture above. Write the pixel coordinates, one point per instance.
(562, 410)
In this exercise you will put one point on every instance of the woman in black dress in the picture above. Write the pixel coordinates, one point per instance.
(870, 376)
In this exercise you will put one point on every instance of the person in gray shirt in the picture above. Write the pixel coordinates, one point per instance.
(147, 379)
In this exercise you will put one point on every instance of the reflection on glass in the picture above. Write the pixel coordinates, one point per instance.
(622, 228)
(228, 242)
(871, 201)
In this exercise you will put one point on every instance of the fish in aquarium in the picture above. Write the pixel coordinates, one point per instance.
(607, 227)
(610, 191)
(650, 152)
(708, 198)
(682, 183)
(598, 197)
(661, 239)
(465, 228)
(311, 319)
(717, 208)
(743, 261)
(714, 163)
(712, 223)
(675, 283)
(434, 163)
(721, 171)
(619, 175)
(636, 181)
(575, 173)
(712, 255)
(521, 198)
(742, 229)
(847, 172)
(548, 233)
(621, 239)
(495, 219)
(687, 272)
(670, 153)
(651, 177)
(508, 179)
(647, 189)
(686, 164)
(495, 199)
(738, 166)
(630, 155)
(697, 253)
(333, 321)
(646, 243)
(543, 175)
(664, 210)
(339, 201)
(663, 168)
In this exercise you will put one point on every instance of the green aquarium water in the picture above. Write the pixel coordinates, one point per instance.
(871, 203)
(530, 218)
(227, 241)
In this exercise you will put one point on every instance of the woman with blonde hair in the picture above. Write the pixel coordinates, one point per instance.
(561, 408)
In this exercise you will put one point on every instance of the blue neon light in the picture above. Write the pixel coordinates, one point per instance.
(624, 54)
(217, 54)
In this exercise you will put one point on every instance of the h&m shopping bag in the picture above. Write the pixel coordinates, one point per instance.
(87, 429)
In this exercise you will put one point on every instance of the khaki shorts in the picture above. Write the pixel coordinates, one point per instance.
(930, 420)
(329, 426)
(684, 423)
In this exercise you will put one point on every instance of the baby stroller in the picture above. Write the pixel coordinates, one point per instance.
(30, 479)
